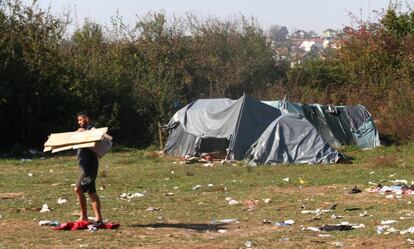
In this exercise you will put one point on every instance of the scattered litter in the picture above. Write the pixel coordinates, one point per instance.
(400, 188)
(233, 202)
(358, 226)
(102, 188)
(337, 244)
(301, 181)
(45, 208)
(248, 244)
(83, 246)
(222, 231)
(352, 209)
(400, 182)
(30, 174)
(386, 229)
(196, 187)
(266, 221)
(267, 200)
(153, 209)
(51, 170)
(355, 190)
(175, 188)
(334, 216)
(172, 171)
(409, 230)
(210, 185)
(329, 228)
(49, 223)
(363, 214)
(324, 235)
(73, 185)
(316, 211)
(129, 196)
(224, 221)
(283, 239)
(410, 241)
(229, 198)
(92, 228)
(169, 194)
(285, 223)
(388, 222)
(343, 226)
(190, 160)
(372, 172)
(62, 200)
(286, 179)
(314, 229)
(167, 179)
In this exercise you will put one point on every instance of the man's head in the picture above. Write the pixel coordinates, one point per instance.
(83, 119)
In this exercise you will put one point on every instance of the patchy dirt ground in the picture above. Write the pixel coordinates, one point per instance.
(184, 219)
(177, 235)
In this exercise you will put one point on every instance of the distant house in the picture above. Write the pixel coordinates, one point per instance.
(330, 43)
(329, 33)
(300, 34)
(311, 44)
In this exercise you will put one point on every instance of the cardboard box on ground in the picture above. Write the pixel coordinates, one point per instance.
(95, 139)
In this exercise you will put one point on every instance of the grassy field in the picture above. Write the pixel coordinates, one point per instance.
(186, 214)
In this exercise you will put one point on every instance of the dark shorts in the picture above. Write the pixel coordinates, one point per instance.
(87, 177)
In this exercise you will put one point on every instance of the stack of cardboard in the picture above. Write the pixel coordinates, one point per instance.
(96, 139)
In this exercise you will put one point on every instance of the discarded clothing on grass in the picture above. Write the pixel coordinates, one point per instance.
(82, 224)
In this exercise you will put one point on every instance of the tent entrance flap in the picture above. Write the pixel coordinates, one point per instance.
(214, 146)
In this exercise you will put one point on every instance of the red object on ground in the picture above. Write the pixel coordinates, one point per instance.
(83, 224)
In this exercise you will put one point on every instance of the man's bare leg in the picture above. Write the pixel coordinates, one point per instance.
(96, 204)
(82, 203)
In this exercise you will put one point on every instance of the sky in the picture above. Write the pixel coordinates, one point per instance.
(316, 15)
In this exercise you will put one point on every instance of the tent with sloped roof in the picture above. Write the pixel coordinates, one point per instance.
(292, 139)
(338, 125)
(218, 125)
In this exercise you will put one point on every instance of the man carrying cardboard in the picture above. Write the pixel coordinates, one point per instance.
(88, 163)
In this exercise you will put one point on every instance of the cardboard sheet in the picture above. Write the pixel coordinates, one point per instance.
(67, 138)
(96, 139)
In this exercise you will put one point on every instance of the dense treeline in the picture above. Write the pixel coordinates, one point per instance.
(131, 78)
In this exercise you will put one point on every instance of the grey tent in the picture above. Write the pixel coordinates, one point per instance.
(291, 138)
(339, 125)
(211, 125)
